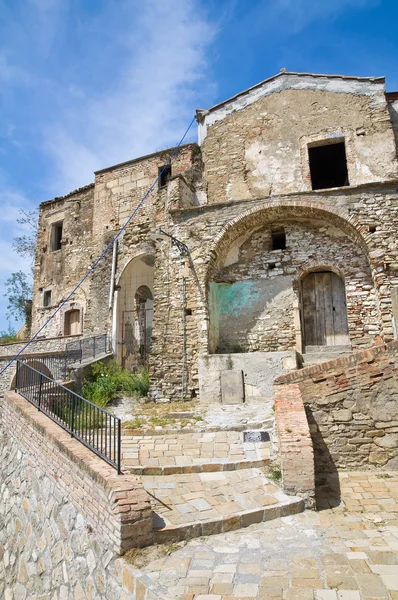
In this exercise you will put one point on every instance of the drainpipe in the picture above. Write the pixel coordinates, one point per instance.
(112, 286)
(184, 338)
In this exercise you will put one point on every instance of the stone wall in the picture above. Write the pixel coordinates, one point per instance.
(352, 409)
(255, 308)
(259, 370)
(65, 515)
(256, 145)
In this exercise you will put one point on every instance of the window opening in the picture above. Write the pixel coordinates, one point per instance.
(165, 176)
(47, 298)
(72, 322)
(56, 236)
(372, 228)
(278, 238)
(328, 166)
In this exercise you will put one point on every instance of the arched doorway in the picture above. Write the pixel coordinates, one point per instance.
(324, 310)
(135, 312)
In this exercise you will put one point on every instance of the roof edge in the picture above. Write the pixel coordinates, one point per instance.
(68, 195)
(283, 72)
(140, 158)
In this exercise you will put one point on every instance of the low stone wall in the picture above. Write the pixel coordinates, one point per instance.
(65, 515)
(39, 345)
(352, 409)
(296, 452)
(259, 371)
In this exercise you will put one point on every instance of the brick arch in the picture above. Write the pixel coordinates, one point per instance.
(278, 211)
(314, 265)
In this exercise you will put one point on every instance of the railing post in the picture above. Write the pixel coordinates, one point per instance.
(119, 445)
(40, 388)
(73, 415)
(16, 376)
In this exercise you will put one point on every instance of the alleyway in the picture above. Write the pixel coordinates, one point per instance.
(344, 552)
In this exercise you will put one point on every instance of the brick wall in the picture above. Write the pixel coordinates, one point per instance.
(296, 453)
(352, 408)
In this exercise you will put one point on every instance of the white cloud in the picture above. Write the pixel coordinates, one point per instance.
(292, 16)
(150, 98)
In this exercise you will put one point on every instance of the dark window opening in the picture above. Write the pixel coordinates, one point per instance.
(188, 312)
(165, 174)
(271, 266)
(56, 236)
(372, 228)
(328, 166)
(278, 238)
(47, 298)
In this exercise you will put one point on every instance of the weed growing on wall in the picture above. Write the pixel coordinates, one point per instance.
(108, 381)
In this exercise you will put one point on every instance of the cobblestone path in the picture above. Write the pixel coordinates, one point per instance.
(348, 551)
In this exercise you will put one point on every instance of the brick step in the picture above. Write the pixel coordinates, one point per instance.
(213, 467)
(195, 452)
(191, 505)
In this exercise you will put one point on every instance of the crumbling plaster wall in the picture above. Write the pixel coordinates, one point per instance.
(262, 150)
(60, 270)
(256, 310)
(210, 232)
(118, 190)
(393, 110)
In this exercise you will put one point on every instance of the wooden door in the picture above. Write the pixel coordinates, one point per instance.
(72, 322)
(324, 310)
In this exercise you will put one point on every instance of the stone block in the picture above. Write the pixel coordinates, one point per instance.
(232, 387)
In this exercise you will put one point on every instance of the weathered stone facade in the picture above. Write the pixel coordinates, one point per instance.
(241, 287)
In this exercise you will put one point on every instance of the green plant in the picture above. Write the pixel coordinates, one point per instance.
(7, 337)
(107, 381)
(274, 472)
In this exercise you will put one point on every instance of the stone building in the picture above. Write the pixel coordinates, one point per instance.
(288, 207)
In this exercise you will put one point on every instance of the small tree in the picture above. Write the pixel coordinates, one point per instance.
(19, 285)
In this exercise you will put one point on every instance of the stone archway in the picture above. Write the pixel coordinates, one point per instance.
(255, 260)
(134, 311)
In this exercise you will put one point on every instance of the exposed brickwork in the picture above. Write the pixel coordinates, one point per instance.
(352, 408)
(296, 453)
(116, 506)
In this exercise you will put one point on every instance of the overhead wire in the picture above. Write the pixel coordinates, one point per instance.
(103, 253)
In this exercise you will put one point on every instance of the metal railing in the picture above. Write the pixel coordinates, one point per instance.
(89, 347)
(53, 365)
(93, 426)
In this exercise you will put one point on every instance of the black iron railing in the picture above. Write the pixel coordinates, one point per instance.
(89, 347)
(54, 366)
(95, 427)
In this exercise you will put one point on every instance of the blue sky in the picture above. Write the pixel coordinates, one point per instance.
(85, 84)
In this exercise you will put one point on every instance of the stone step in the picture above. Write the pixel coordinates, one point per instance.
(180, 453)
(191, 505)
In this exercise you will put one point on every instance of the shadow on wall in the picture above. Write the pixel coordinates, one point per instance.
(327, 484)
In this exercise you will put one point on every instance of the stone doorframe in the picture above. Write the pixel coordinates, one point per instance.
(303, 271)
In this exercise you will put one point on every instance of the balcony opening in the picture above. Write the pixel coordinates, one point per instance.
(165, 174)
(47, 298)
(56, 236)
(328, 166)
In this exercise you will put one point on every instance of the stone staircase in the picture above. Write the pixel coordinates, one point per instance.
(206, 482)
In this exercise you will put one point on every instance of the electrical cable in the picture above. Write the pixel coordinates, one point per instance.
(108, 247)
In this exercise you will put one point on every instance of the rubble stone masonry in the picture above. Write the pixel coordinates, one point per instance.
(65, 514)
